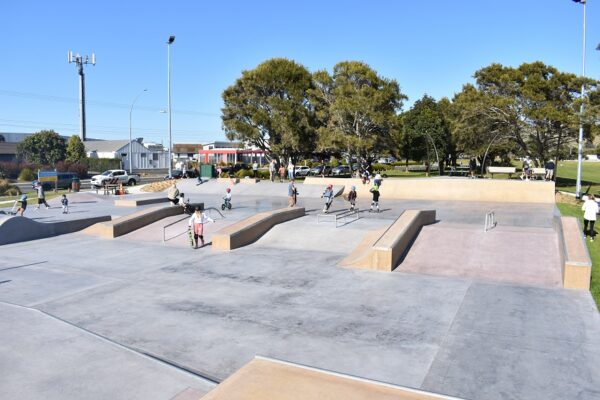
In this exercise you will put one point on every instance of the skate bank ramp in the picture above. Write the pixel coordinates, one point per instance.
(264, 188)
(382, 250)
(268, 379)
(451, 189)
(21, 229)
(132, 222)
(249, 230)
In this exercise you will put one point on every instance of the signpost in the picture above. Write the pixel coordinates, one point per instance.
(48, 176)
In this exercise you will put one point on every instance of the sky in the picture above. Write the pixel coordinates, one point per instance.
(429, 47)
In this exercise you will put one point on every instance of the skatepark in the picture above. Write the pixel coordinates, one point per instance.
(399, 303)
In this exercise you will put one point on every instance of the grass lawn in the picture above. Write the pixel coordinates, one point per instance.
(32, 196)
(593, 247)
(590, 176)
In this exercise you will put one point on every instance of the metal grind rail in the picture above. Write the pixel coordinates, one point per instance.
(337, 216)
(164, 239)
(490, 221)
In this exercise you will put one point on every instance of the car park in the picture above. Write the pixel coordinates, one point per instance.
(301, 170)
(175, 174)
(318, 170)
(340, 170)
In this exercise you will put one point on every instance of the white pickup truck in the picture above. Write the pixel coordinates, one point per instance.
(114, 176)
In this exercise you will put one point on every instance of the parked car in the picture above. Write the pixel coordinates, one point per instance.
(301, 170)
(318, 170)
(340, 170)
(63, 181)
(175, 174)
(119, 175)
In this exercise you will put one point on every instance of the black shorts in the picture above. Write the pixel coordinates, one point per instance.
(41, 201)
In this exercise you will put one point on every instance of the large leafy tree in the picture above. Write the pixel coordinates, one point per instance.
(44, 147)
(75, 149)
(268, 107)
(534, 106)
(426, 132)
(357, 110)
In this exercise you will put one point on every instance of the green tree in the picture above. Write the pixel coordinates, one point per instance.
(356, 109)
(75, 149)
(45, 147)
(426, 131)
(268, 107)
(534, 106)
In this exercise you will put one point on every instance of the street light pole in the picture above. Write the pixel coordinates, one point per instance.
(130, 112)
(169, 43)
(580, 142)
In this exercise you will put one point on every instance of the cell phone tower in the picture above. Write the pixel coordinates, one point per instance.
(80, 61)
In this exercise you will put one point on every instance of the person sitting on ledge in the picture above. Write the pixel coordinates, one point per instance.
(173, 194)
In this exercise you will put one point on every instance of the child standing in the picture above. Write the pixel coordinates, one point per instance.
(227, 199)
(352, 197)
(328, 196)
(65, 204)
(375, 202)
(281, 173)
(197, 221)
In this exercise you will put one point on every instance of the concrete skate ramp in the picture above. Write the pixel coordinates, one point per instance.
(517, 255)
(129, 223)
(140, 201)
(263, 188)
(575, 258)
(21, 229)
(249, 230)
(268, 379)
(382, 250)
(452, 189)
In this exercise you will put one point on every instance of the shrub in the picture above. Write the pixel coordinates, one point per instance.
(27, 174)
(381, 167)
(334, 162)
(242, 173)
(10, 169)
(6, 189)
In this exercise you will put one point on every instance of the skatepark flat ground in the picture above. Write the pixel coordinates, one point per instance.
(75, 305)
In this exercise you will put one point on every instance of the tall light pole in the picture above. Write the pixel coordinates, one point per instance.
(169, 43)
(80, 61)
(580, 147)
(130, 112)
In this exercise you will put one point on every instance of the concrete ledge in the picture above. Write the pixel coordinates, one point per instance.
(132, 222)
(140, 201)
(267, 379)
(249, 230)
(382, 250)
(21, 229)
(451, 189)
(249, 181)
(231, 181)
(577, 265)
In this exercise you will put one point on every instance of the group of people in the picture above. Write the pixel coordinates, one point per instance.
(279, 170)
(41, 200)
(527, 173)
(328, 195)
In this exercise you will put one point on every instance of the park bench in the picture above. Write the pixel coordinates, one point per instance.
(459, 170)
(502, 170)
(108, 186)
(538, 173)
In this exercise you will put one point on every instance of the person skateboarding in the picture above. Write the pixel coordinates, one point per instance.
(352, 197)
(328, 196)
(196, 224)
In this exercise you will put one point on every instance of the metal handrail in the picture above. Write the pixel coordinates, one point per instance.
(173, 223)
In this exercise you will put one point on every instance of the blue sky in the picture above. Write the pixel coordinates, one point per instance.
(431, 47)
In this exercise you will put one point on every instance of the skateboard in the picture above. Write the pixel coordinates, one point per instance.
(191, 236)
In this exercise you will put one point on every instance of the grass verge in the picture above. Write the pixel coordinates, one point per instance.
(574, 210)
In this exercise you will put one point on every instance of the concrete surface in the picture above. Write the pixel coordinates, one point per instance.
(469, 336)
(43, 357)
(577, 268)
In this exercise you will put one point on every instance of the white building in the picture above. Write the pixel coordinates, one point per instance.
(142, 158)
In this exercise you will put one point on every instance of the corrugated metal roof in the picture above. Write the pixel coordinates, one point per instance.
(104, 146)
